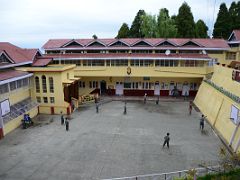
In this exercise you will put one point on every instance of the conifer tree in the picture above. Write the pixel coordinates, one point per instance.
(135, 30)
(185, 22)
(234, 13)
(123, 31)
(222, 26)
(201, 29)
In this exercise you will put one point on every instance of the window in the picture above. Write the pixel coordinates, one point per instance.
(166, 63)
(13, 85)
(19, 83)
(119, 62)
(4, 88)
(127, 85)
(52, 100)
(45, 99)
(25, 82)
(38, 99)
(51, 86)
(81, 84)
(37, 84)
(230, 56)
(93, 63)
(44, 84)
(92, 84)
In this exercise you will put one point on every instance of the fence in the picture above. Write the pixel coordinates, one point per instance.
(171, 175)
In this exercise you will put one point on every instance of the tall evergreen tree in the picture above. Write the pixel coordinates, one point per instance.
(234, 13)
(135, 30)
(166, 27)
(201, 29)
(185, 22)
(123, 31)
(222, 26)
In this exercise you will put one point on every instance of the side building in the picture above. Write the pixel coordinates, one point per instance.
(29, 86)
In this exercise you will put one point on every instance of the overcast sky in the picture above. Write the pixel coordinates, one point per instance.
(30, 23)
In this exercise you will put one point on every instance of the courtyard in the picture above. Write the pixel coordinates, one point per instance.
(109, 144)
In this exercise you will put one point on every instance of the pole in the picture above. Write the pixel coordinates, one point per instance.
(1, 126)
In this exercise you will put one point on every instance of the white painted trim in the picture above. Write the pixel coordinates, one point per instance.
(138, 48)
(14, 65)
(230, 35)
(234, 42)
(134, 58)
(15, 79)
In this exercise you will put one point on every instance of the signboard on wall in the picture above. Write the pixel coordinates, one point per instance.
(4, 107)
(234, 116)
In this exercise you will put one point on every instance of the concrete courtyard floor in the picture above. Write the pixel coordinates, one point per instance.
(109, 144)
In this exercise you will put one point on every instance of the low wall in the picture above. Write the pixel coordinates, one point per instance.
(13, 124)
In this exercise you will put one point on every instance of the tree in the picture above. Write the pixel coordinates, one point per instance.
(148, 26)
(123, 31)
(234, 13)
(222, 26)
(135, 30)
(166, 27)
(201, 29)
(94, 36)
(185, 22)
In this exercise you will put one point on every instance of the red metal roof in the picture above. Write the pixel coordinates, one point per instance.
(8, 74)
(126, 55)
(207, 43)
(17, 54)
(42, 61)
(237, 34)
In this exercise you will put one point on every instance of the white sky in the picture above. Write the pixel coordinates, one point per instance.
(30, 23)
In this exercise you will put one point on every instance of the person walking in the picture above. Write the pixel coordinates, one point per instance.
(145, 98)
(202, 119)
(190, 107)
(67, 124)
(166, 140)
(62, 119)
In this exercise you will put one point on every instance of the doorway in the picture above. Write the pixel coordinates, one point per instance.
(103, 87)
(157, 89)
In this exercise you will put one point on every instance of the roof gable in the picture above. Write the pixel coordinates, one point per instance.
(119, 43)
(235, 36)
(72, 43)
(96, 44)
(141, 43)
(191, 43)
(4, 58)
(165, 43)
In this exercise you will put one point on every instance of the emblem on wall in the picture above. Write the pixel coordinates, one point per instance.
(129, 71)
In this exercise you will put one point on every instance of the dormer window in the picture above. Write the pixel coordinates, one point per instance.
(4, 59)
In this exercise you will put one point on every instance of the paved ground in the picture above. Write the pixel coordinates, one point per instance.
(109, 144)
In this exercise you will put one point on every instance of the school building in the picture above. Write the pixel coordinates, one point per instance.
(71, 68)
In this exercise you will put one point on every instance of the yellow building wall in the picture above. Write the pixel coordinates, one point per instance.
(58, 94)
(217, 106)
(141, 71)
(16, 95)
(223, 78)
(13, 124)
